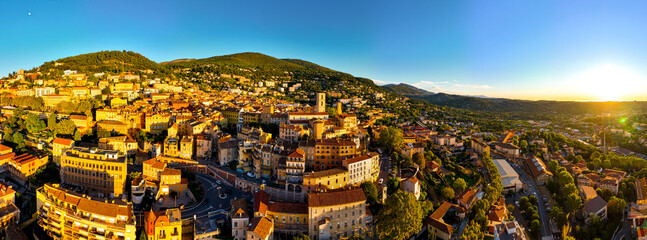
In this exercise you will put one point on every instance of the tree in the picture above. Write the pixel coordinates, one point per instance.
(535, 226)
(459, 184)
(400, 218)
(419, 159)
(472, 231)
(8, 135)
(558, 214)
(101, 133)
(391, 139)
(615, 207)
(51, 121)
(552, 165)
(370, 191)
(34, 124)
(66, 127)
(18, 140)
(393, 185)
(523, 144)
(448, 193)
(77, 135)
(573, 202)
(106, 91)
(564, 178)
(524, 203)
(605, 193)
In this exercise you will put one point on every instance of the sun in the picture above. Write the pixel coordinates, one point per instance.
(608, 82)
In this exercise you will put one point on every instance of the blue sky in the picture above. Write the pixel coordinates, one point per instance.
(516, 49)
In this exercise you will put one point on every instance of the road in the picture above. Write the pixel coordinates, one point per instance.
(212, 201)
(385, 168)
(541, 207)
(625, 231)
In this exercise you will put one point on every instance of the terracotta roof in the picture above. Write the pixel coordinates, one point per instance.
(413, 179)
(297, 153)
(287, 207)
(7, 190)
(262, 226)
(442, 209)
(360, 158)
(78, 117)
(324, 173)
(588, 192)
(63, 141)
(155, 163)
(467, 196)
(444, 227)
(261, 200)
(322, 199)
(7, 156)
(170, 171)
(4, 148)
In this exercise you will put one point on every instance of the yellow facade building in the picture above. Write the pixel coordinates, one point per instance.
(64, 214)
(59, 146)
(156, 123)
(327, 179)
(122, 144)
(99, 171)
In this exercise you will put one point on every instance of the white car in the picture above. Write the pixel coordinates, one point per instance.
(249, 174)
(218, 182)
(381, 180)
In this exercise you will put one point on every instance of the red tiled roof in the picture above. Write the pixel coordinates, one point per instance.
(322, 199)
(261, 200)
(4, 148)
(286, 207)
(262, 226)
(63, 141)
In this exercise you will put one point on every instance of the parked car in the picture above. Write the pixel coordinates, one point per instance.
(218, 182)
(381, 180)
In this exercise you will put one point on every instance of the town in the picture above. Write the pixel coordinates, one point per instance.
(208, 151)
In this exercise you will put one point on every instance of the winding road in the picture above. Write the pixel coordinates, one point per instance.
(211, 200)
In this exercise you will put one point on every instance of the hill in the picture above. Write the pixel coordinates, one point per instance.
(257, 66)
(406, 90)
(104, 61)
(526, 106)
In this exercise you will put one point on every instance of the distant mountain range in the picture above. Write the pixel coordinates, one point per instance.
(483, 103)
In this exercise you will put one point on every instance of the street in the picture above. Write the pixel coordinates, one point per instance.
(541, 207)
(211, 200)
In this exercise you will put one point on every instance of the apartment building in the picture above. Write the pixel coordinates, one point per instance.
(156, 123)
(322, 154)
(59, 146)
(64, 214)
(362, 168)
(100, 172)
(24, 165)
(122, 144)
(327, 179)
(338, 214)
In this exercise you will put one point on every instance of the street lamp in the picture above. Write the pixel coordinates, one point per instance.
(219, 192)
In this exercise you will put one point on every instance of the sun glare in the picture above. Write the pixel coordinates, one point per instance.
(609, 82)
